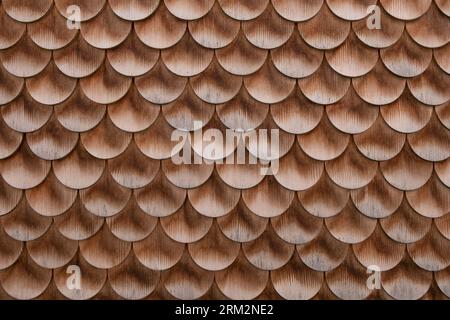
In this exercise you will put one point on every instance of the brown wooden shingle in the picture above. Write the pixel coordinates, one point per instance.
(87, 179)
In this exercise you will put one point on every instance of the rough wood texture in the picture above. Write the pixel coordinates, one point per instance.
(85, 125)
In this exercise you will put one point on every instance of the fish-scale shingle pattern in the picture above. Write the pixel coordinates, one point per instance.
(86, 176)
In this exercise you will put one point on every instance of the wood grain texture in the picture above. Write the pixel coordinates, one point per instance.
(87, 179)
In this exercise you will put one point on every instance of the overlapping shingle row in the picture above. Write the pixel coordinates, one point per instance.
(85, 146)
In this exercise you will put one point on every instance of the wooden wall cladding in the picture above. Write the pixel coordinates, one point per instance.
(86, 177)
